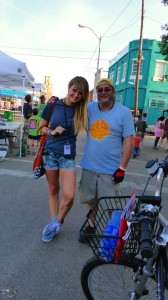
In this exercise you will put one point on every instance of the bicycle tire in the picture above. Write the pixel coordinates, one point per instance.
(160, 271)
(102, 280)
(165, 264)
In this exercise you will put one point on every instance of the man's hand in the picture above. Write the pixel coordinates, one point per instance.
(118, 176)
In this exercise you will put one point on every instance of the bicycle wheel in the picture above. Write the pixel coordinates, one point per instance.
(161, 279)
(101, 280)
(165, 264)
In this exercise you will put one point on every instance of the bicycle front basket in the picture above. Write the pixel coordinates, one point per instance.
(107, 247)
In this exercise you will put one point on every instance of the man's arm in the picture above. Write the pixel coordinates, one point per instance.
(127, 152)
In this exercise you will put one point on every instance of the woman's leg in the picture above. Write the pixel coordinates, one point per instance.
(68, 182)
(166, 143)
(156, 141)
(54, 187)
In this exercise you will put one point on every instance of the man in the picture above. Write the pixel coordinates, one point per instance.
(140, 126)
(41, 105)
(27, 107)
(108, 148)
(27, 112)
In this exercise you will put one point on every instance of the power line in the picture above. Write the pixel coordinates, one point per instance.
(124, 28)
(117, 18)
(51, 50)
(53, 56)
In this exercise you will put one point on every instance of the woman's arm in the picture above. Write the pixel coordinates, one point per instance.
(51, 132)
(44, 126)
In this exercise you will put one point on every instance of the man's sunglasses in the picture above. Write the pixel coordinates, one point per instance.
(105, 90)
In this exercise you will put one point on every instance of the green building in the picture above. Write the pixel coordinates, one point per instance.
(153, 86)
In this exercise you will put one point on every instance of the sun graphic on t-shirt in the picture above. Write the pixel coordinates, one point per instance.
(99, 130)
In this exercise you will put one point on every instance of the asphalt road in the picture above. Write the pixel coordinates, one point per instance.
(29, 268)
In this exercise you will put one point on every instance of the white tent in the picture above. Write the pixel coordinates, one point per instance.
(15, 75)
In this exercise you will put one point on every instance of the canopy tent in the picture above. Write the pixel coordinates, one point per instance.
(39, 87)
(15, 75)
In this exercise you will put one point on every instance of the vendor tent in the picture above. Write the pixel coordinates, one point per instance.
(15, 75)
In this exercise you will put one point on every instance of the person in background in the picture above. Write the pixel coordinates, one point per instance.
(27, 107)
(41, 105)
(69, 116)
(27, 111)
(136, 144)
(165, 134)
(108, 148)
(158, 131)
(33, 134)
(140, 126)
(144, 117)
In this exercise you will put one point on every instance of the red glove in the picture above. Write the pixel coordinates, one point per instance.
(118, 176)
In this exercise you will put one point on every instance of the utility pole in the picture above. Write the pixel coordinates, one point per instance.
(139, 61)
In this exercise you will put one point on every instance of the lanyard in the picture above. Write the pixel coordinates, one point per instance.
(68, 128)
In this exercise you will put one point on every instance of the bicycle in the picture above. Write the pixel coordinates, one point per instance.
(141, 270)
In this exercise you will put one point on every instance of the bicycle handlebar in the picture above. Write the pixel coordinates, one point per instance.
(147, 216)
(146, 225)
(164, 164)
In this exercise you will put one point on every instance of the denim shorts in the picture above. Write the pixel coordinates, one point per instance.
(54, 161)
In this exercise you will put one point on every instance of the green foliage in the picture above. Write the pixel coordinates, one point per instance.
(165, 2)
(163, 45)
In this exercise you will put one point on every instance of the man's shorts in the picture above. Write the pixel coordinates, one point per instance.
(93, 186)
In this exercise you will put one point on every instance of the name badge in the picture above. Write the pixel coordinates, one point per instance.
(67, 149)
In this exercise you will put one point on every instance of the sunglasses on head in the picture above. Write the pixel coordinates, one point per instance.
(106, 89)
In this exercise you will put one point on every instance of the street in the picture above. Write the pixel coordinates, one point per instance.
(31, 269)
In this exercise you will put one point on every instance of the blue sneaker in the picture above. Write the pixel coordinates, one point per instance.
(51, 230)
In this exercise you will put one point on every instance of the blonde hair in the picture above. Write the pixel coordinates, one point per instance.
(80, 117)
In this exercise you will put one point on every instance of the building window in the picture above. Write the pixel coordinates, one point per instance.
(112, 76)
(124, 72)
(160, 70)
(118, 75)
(134, 69)
(157, 103)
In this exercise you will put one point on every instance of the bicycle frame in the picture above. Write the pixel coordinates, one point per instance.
(141, 268)
(160, 241)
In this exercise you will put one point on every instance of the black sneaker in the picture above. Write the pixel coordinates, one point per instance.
(88, 230)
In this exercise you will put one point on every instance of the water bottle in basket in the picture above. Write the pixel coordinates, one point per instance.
(107, 244)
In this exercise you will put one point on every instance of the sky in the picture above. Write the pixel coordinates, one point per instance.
(45, 34)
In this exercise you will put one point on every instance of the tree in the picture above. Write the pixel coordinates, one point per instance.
(163, 45)
(165, 2)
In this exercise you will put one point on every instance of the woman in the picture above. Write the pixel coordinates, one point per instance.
(158, 131)
(67, 117)
(165, 133)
